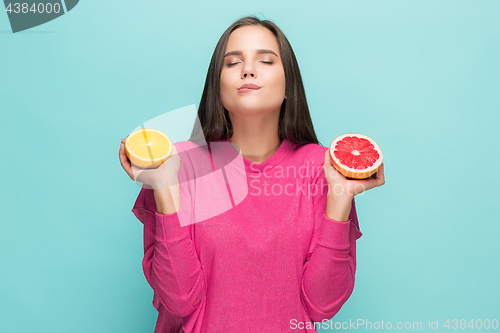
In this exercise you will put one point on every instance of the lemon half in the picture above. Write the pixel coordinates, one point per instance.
(148, 147)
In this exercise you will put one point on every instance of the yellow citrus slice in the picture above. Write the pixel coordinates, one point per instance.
(147, 147)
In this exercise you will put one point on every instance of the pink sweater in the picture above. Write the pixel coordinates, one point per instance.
(258, 253)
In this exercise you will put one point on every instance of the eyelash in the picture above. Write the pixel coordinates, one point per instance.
(266, 62)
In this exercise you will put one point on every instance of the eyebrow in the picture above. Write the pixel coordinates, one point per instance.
(259, 51)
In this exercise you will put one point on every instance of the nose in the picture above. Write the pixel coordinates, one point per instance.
(248, 71)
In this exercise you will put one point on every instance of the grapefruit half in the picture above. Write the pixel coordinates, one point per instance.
(147, 147)
(355, 155)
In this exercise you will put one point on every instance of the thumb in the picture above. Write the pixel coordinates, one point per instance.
(328, 161)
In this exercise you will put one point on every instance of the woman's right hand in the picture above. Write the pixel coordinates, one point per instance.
(166, 174)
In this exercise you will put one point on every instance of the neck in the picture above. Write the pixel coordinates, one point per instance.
(256, 136)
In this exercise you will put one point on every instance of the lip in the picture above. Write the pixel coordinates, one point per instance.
(248, 87)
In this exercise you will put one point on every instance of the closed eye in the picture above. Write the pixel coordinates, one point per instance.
(234, 63)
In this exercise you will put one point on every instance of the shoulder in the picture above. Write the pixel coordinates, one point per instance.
(308, 159)
(190, 151)
(188, 146)
(309, 152)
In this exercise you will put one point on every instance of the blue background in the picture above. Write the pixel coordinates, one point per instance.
(422, 78)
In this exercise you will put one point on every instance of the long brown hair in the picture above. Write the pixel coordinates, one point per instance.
(295, 122)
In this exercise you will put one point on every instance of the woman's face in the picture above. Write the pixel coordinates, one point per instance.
(252, 57)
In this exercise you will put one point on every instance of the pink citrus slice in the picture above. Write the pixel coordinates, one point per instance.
(355, 155)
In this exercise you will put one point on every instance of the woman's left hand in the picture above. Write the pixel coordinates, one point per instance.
(340, 186)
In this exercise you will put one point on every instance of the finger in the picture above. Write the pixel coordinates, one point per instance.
(328, 168)
(123, 159)
(126, 165)
(363, 185)
(370, 183)
(122, 153)
(380, 175)
(327, 161)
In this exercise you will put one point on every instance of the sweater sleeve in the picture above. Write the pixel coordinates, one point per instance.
(171, 264)
(330, 265)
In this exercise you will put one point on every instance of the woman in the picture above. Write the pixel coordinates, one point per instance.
(279, 258)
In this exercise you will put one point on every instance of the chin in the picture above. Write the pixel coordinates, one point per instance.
(254, 110)
(250, 107)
